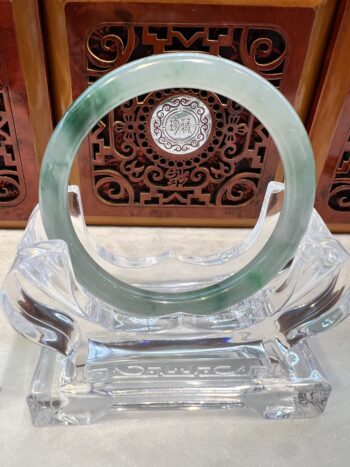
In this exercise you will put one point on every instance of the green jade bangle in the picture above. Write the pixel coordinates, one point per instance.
(181, 70)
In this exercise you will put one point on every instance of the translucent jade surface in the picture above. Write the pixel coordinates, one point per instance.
(202, 72)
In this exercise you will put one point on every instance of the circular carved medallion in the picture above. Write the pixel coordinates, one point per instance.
(181, 124)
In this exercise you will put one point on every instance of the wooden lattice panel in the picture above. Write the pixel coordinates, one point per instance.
(12, 185)
(125, 176)
(24, 126)
(333, 192)
(330, 128)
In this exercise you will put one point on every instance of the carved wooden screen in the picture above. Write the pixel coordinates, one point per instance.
(12, 186)
(18, 166)
(25, 113)
(339, 195)
(333, 192)
(124, 171)
(330, 126)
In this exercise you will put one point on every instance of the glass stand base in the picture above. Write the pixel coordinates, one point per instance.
(195, 373)
(252, 356)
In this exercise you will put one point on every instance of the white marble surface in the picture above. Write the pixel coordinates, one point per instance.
(174, 438)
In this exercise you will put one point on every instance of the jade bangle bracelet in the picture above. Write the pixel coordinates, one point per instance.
(181, 70)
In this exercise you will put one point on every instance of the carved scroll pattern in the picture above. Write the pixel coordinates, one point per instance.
(12, 187)
(339, 196)
(129, 169)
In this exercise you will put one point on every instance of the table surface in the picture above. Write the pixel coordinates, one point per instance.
(177, 438)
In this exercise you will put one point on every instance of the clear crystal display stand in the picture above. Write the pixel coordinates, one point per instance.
(178, 328)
